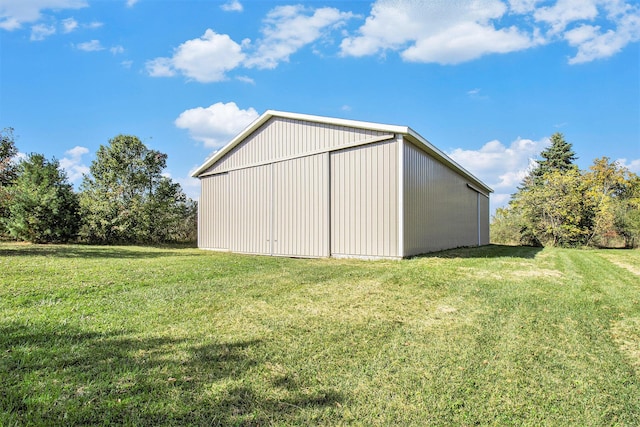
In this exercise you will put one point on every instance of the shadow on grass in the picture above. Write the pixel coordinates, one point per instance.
(59, 374)
(92, 252)
(488, 251)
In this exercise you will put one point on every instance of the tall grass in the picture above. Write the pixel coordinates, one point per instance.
(146, 336)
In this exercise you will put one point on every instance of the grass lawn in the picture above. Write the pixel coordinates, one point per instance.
(148, 336)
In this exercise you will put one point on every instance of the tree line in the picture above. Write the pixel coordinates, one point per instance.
(124, 199)
(557, 204)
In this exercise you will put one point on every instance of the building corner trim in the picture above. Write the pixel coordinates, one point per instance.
(400, 147)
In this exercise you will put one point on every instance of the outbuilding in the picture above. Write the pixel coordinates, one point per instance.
(308, 186)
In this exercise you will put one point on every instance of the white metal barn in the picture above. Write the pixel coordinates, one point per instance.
(308, 186)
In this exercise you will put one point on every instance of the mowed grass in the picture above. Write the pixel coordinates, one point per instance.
(487, 336)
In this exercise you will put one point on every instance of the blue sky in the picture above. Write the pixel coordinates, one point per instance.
(486, 81)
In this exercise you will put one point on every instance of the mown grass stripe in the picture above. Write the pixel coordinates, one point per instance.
(176, 336)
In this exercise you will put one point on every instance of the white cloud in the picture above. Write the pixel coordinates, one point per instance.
(15, 13)
(216, 124)
(43, 30)
(90, 46)
(443, 32)
(232, 6)
(40, 32)
(597, 28)
(458, 31)
(131, 3)
(499, 200)
(93, 25)
(501, 167)
(466, 41)
(127, 64)
(594, 43)
(565, 12)
(72, 163)
(632, 165)
(476, 94)
(246, 79)
(617, 8)
(523, 6)
(69, 25)
(160, 67)
(205, 59)
(116, 50)
(440, 32)
(289, 28)
(389, 26)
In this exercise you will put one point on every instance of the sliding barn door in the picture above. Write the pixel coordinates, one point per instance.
(364, 201)
(213, 212)
(281, 208)
(250, 201)
(301, 206)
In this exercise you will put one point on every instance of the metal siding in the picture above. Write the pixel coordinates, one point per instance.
(364, 201)
(281, 137)
(250, 220)
(484, 220)
(213, 208)
(301, 198)
(281, 208)
(440, 211)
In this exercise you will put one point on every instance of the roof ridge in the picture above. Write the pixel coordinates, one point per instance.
(395, 129)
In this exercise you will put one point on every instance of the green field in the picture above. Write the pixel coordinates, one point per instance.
(150, 336)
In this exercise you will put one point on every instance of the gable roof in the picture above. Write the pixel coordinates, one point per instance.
(405, 131)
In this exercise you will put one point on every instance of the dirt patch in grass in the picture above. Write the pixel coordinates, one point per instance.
(626, 333)
(625, 259)
(446, 309)
(537, 273)
(635, 270)
(509, 274)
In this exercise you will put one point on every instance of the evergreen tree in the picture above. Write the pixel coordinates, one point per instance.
(8, 171)
(43, 208)
(557, 157)
(542, 205)
(8, 151)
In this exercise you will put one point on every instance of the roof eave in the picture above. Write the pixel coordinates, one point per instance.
(402, 130)
(433, 150)
(235, 141)
(293, 116)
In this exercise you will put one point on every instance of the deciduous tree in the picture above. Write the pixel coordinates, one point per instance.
(627, 214)
(505, 226)
(553, 212)
(606, 183)
(126, 199)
